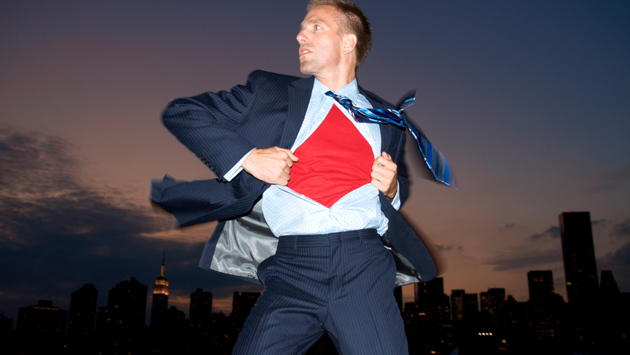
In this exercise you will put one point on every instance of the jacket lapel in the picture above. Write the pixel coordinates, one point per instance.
(299, 97)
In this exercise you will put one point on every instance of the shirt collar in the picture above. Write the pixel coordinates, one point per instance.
(351, 90)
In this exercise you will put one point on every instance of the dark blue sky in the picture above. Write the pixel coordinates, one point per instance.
(528, 100)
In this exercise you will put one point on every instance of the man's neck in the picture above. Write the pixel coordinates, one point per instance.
(336, 81)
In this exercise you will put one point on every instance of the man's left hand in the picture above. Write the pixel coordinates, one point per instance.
(384, 176)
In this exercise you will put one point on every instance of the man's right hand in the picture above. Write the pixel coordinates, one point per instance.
(271, 165)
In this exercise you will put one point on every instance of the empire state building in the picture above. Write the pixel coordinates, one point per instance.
(160, 297)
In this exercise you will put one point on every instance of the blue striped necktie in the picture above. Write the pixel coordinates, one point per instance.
(439, 166)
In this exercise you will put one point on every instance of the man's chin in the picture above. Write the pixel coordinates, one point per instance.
(304, 69)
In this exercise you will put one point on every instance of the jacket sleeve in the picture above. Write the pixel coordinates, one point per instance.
(207, 124)
(194, 202)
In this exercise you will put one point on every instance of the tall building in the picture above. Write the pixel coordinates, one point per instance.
(428, 291)
(6, 333)
(470, 305)
(431, 299)
(457, 304)
(82, 311)
(42, 321)
(427, 321)
(493, 299)
(579, 257)
(608, 285)
(103, 320)
(544, 309)
(126, 306)
(200, 307)
(160, 297)
(6, 325)
(614, 312)
(484, 301)
(540, 285)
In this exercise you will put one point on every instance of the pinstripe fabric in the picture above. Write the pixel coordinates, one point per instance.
(221, 127)
(344, 288)
(225, 117)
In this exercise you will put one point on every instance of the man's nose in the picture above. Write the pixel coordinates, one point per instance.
(301, 38)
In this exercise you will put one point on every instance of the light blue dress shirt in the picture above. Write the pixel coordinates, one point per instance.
(290, 213)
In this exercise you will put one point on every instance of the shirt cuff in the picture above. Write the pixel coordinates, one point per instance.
(396, 200)
(237, 168)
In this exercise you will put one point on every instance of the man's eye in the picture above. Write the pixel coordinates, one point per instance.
(317, 27)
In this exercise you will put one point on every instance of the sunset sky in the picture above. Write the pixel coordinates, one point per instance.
(529, 101)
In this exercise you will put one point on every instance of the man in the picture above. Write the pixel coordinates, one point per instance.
(307, 197)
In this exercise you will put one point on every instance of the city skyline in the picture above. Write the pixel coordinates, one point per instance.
(528, 101)
(539, 284)
(434, 322)
(423, 293)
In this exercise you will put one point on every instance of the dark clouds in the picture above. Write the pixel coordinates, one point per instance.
(57, 233)
(553, 232)
(34, 164)
(492, 78)
(522, 259)
(449, 247)
(539, 256)
(612, 180)
(622, 229)
(530, 256)
(619, 262)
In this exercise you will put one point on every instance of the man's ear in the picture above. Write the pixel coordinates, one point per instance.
(349, 42)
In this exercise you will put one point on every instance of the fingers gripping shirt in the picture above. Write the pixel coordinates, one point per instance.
(288, 212)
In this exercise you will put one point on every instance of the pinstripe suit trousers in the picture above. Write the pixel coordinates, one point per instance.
(340, 283)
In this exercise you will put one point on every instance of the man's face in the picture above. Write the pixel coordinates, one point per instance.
(320, 42)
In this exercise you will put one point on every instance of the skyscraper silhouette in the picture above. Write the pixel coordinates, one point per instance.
(427, 320)
(579, 257)
(200, 308)
(126, 306)
(540, 285)
(82, 311)
(160, 297)
(242, 305)
(493, 299)
(6, 332)
(470, 305)
(614, 310)
(457, 304)
(42, 319)
(429, 292)
(608, 285)
(41, 328)
(432, 301)
(6, 325)
(544, 310)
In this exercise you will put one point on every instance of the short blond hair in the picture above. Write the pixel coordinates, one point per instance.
(352, 20)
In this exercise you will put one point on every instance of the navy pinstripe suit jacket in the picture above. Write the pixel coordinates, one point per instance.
(220, 128)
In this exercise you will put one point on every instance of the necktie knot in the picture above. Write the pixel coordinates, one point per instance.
(375, 115)
(437, 163)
